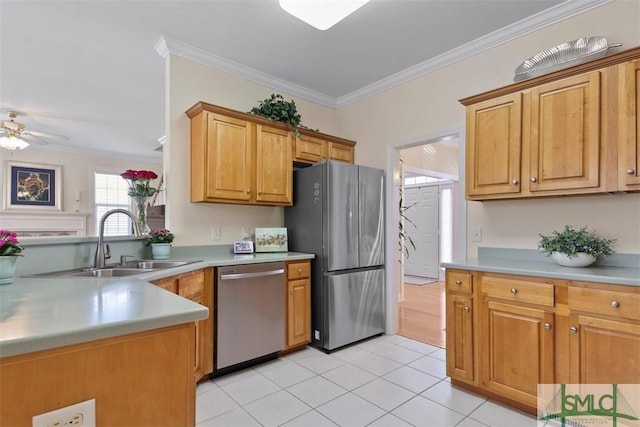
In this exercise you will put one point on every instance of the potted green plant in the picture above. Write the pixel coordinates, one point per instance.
(575, 247)
(276, 108)
(160, 241)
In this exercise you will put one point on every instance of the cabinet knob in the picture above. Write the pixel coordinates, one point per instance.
(259, 193)
(514, 182)
(615, 304)
(533, 179)
(466, 309)
(514, 291)
(299, 270)
(573, 330)
(291, 290)
(248, 190)
(547, 326)
(458, 282)
(631, 171)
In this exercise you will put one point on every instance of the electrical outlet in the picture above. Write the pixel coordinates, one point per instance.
(81, 414)
(476, 234)
(215, 232)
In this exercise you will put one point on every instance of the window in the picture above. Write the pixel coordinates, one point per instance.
(111, 192)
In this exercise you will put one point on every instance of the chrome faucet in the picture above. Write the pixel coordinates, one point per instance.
(101, 256)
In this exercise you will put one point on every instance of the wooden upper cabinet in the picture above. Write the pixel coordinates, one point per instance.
(573, 131)
(494, 138)
(312, 147)
(629, 137)
(565, 134)
(238, 159)
(229, 158)
(274, 165)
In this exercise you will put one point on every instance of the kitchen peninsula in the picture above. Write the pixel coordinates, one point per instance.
(515, 319)
(124, 342)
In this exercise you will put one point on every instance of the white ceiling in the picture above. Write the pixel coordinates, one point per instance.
(89, 69)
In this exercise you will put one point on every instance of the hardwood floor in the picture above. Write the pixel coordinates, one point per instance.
(422, 313)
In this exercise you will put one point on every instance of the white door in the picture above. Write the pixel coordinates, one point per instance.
(424, 213)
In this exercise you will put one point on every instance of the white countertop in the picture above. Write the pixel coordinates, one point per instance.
(42, 313)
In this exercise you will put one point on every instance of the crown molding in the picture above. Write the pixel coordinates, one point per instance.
(167, 46)
(538, 21)
(565, 10)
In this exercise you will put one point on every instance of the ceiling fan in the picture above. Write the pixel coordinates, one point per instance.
(14, 135)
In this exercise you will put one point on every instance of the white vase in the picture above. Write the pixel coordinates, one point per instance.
(160, 250)
(7, 269)
(580, 259)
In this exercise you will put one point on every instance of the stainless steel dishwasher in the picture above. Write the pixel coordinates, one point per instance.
(250, 312)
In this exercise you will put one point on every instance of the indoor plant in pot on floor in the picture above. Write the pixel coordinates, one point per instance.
(575, 248)
(160, 241)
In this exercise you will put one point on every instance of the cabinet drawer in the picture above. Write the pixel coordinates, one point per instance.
(459, 281)
(191, 284)
(599, 301)
(298, 270)
(169, 284)
(518, 290)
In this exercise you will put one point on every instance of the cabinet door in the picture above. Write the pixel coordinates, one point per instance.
(460, 337)
(229, 159)
(516, 350)
(629, 142)
(310, 149)
(274, 165)
(494, 138)
(604, 351)
(565, 134)
(342, 152)
(298, 312)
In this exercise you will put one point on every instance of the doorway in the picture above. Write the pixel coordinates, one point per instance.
(428, 175)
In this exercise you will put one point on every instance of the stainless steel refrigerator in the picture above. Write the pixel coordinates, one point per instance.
(338, 215)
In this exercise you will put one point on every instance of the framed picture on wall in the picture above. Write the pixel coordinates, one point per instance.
(33, 186)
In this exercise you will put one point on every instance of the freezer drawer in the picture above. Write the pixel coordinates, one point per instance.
(355, 306)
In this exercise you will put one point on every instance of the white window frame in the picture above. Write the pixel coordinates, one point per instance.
(118, 224)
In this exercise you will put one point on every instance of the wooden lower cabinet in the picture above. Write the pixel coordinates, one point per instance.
(528, 331)
(137, 380)
(604, 335)
(516, 347)
(460, 326)
(298, 317)
(197, 286)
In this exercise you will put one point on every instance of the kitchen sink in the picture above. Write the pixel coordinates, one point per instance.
(154, 265)
(131, 268)
(109, 272)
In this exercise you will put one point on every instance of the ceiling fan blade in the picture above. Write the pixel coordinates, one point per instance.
(30, 138)
(45, 135)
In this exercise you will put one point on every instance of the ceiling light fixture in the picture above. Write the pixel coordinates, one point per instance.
(322, 14)
(12, 142)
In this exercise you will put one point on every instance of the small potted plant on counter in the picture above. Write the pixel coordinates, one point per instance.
(575, 247)
(9, 253)
(160, 241)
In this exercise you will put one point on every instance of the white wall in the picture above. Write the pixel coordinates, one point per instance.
(190, 82)
(77, 174)
(434, 157)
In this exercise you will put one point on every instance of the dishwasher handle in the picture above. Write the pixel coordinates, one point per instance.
(251, 275)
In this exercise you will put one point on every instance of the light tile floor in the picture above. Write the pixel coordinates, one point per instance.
(384, 382)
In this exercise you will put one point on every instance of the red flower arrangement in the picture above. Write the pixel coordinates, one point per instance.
(139, 182)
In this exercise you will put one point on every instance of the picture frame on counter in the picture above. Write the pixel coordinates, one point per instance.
(271, 240)
(33, 186)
